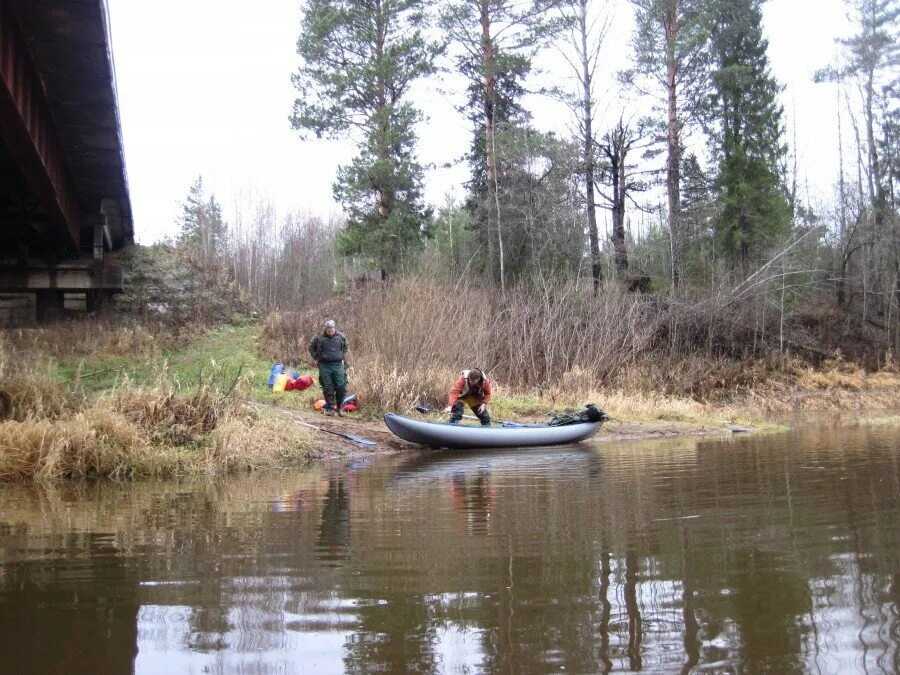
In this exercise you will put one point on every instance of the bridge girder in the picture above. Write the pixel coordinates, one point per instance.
(26, 126)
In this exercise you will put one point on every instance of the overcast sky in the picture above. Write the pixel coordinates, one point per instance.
(204, 89)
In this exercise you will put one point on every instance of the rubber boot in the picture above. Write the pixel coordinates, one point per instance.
(483, 417)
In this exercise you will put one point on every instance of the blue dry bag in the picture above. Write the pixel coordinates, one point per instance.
(277, 369)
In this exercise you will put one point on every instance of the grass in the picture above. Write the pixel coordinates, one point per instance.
(876, 421)
(70, 413)
(149, 432)
(215, 358)
(143, 402)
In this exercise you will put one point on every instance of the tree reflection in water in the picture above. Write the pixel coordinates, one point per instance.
(764, 553)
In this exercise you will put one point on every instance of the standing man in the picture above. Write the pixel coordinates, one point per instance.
(329, 349)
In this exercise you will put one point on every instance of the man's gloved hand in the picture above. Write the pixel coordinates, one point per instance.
(482, 408)
(447, 409)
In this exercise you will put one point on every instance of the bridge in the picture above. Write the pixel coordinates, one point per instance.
(64, 202)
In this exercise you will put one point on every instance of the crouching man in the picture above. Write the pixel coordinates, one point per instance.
(472, 389)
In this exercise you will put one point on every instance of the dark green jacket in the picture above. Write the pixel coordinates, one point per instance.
(326, 349)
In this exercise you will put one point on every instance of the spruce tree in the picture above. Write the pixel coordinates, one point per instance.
(747, 132)
(495, 42)
(360, 58)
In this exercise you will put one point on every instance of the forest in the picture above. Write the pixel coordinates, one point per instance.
(708, 227)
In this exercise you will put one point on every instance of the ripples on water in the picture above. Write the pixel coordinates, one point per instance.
(777, 553)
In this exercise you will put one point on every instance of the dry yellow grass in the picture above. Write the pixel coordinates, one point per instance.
(93, 443)
(51, 428)
(166, 414)
(243, 443)
(33, 395)
(147, 431)
(638, 405)
(383, 386)
(83, 337)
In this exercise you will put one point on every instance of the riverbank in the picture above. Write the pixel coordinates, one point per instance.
(375, 430)
(128, 400)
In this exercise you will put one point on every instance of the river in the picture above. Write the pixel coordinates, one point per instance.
(772, 552)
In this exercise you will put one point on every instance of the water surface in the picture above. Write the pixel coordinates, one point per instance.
(778, 553)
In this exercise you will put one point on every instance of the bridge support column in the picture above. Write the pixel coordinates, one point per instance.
(49, 305)
(97, 301)
(98, 245)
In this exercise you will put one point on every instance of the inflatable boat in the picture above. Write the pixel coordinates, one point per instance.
(446, 435)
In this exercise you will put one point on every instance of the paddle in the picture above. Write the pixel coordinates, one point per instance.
(424, 409)
(359, 440)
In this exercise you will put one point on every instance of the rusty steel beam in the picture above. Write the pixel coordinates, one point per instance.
(26, 126)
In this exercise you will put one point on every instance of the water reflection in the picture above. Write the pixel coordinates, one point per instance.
(762, 553)
(334, 528)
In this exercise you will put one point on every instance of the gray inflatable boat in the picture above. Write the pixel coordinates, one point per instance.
(446, 435)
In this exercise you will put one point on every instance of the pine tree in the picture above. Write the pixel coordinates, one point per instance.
(360, 58)
(201, 225)
(747, 132)
(671, 55)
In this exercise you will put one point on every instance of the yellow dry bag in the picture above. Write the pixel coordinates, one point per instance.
(280, 382)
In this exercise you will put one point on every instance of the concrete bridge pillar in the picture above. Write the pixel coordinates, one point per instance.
(97, 301)
(49, 305)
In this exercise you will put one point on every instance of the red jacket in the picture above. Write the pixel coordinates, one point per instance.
(461, 389)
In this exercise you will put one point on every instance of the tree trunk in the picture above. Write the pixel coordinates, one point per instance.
(876, 190)
(588, 139)
(384, 151)
(673, 164)
(490, 146)
(618, 208)
(842, 198)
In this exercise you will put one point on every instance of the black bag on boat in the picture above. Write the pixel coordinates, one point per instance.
(590, 413)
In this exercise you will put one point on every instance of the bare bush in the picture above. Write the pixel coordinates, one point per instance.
(409, 339)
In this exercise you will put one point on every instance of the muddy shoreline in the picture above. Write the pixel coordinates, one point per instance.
(330, 446)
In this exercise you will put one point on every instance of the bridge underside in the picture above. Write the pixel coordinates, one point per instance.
(64, 199)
